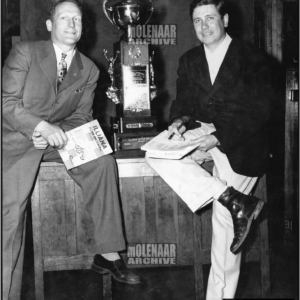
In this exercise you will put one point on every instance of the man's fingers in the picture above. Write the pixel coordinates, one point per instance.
(173, 128)
(40, 139)
(58, 140)
(36, 134)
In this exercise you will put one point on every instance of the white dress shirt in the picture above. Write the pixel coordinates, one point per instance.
(68, 58)
(216, 58)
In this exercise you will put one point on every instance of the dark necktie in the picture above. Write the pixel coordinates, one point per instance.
(62, 69)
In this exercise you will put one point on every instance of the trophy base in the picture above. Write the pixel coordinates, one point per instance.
(133, 124)
(132, 132)
(132, 140)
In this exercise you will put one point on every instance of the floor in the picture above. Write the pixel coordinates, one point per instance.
(167, 283)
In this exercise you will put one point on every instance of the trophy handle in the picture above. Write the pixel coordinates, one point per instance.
(151, 8)
(106, 14)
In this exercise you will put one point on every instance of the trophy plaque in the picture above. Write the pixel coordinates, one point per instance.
(132, 77)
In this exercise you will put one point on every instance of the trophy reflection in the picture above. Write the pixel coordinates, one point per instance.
(132, 76)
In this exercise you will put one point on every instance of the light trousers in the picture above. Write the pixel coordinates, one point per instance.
(197, 187)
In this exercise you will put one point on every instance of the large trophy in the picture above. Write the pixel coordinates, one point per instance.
(132, 76)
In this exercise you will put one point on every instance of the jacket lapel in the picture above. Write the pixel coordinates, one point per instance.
(73, 74)
(48, 63)
(230, 65)
(201, 67)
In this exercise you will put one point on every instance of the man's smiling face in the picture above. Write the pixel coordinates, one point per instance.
(66, 26)
(209, 25)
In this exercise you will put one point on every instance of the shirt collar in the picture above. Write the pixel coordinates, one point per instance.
(222, 48)
(69, 54)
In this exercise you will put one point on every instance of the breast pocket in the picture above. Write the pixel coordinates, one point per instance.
(80, 90)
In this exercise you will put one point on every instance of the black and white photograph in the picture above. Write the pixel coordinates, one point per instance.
(150, 149)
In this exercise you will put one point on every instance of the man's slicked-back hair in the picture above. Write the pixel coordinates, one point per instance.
(219, 4)
(53, 7)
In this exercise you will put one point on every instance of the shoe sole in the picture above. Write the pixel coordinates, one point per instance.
(254, 216)
(103, 271)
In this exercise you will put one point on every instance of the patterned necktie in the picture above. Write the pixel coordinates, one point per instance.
(62, 71)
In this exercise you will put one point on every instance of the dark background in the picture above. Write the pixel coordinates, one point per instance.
(247, 21)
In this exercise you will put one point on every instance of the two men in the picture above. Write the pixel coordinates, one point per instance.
(48, 88)
(223, 95)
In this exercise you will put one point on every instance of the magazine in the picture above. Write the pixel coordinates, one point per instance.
(161, 147)
(85, 143)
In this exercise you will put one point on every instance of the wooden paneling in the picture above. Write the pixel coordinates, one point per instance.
(274, 10)
(185, 234)
(153, 213)
(133, 203)
(150, 209)
(84, 226)
(291, 170)
(53, 217)
(166, 212)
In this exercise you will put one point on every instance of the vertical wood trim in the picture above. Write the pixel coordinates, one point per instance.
(150, 210)
(198, 258)
(70, 217)
(290, 161)
(279, 29)
(166, 212)
(269, 26)
(37, 242)
(133, 201)
(185, 234)
(274, 28)
(176, 222)
(261, 192)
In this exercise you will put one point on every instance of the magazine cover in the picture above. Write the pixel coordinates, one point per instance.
(86, 143)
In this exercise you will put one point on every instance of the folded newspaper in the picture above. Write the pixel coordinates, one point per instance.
(161, 147)
(85, 143)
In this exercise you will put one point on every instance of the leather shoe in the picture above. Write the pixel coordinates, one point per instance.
(116, 268)
(243, 209)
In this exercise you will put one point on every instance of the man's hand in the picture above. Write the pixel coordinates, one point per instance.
(173, 128)
(38, 141)
(53, 134)
(207, 142)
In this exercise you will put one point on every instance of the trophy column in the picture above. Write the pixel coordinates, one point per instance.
(134, 120)
(132, 77)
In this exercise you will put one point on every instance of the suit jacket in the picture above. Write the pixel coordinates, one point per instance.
(30, 95)
(238, 103)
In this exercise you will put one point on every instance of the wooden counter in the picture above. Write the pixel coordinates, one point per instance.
(153, 213)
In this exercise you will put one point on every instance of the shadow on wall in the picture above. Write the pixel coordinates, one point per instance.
(236, 26)
(86, 45)
(159, 65)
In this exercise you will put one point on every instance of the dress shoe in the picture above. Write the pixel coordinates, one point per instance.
(116, 268)
(243, 209)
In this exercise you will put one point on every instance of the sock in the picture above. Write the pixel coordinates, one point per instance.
(112, 256)
(220, 192)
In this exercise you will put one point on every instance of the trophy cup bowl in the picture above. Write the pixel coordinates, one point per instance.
(129, 13)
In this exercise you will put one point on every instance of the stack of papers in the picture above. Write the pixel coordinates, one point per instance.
(161, 147)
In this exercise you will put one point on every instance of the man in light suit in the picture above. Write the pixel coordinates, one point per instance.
(223, 97)
(39, 105)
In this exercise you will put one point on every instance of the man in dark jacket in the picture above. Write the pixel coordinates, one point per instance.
(223, 98)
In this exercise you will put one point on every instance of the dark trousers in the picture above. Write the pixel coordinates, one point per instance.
(99, 182)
